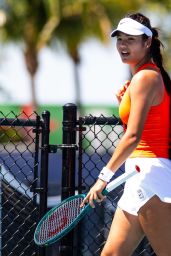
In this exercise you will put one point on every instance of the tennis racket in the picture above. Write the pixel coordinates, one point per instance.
(57, 222)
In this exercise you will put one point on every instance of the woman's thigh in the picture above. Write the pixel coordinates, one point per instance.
(155, 219)
(124, 236)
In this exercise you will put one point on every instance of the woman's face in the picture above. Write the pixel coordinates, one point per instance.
(132, 49)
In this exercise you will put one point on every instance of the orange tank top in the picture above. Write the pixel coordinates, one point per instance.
(154, 141)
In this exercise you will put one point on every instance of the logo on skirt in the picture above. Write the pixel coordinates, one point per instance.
(140, 194)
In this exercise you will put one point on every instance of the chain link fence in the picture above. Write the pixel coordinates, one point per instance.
(98, 139)
(88, 143)
(19, 179)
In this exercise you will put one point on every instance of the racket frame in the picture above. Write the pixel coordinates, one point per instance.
(57, 237)
(111, 186)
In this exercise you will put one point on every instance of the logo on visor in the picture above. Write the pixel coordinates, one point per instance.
(122, 22)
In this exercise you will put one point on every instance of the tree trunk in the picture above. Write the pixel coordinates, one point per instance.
(32, 66)
(33, 93)
(78, 101)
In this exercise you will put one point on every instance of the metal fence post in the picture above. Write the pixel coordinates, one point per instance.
(68, 167)
(44, 168)
(44, 162)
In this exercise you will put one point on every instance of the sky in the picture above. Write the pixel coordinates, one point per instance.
(101, 74)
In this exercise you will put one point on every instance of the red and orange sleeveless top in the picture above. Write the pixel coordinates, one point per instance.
(155, 136)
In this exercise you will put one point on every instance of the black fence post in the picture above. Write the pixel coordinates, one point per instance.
(44, 168)
(68, 167)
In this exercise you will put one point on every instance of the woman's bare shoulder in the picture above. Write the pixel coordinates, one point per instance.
(146, 78)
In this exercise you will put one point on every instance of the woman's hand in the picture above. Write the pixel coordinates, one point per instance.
(95, 193)
(122, 91)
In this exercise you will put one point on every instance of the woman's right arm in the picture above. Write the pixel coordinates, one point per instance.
(142, 91)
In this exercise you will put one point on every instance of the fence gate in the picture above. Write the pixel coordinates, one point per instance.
(23, 181)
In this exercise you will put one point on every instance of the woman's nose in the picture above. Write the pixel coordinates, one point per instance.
(123, 43)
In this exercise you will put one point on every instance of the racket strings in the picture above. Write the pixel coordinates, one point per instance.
(59, 220)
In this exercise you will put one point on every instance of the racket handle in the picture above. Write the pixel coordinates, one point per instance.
(119, 180)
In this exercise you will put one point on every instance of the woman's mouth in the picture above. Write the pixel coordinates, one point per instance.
(124, 53)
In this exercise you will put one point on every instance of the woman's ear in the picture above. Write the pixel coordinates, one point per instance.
(148, 42)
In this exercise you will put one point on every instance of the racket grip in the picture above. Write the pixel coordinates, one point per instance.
(119, 180)
(105, 192)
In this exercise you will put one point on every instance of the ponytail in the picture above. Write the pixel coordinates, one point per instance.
(158, 59)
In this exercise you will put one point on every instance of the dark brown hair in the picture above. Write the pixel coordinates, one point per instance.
(155, 49)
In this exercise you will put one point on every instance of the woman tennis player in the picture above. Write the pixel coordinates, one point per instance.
(145, 206)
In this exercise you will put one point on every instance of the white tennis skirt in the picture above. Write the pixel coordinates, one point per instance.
(153, 179)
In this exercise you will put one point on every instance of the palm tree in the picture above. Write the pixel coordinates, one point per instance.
(30, 23)
(33, 23)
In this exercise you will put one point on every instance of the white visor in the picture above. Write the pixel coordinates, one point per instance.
(131, 27)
